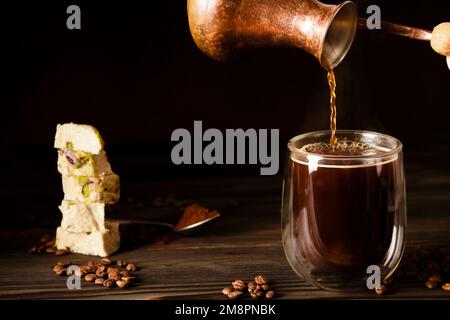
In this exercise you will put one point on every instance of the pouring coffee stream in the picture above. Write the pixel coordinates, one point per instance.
(223, 28)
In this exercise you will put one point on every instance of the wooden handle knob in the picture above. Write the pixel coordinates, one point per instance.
(440, 39)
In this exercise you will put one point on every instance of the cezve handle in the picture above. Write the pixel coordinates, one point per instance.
(440, 40)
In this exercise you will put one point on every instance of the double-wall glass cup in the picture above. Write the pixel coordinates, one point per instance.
(344, 208)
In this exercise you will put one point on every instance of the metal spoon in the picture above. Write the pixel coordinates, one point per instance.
(190, 229)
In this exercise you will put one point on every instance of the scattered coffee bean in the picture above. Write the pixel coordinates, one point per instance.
(61, 272)
(114, 275)
(446, 286)
(121, 263)
(47, 245)
(50, 243)
(265, 287)
(260, 279)
(256, 289)
(235, 294)
(254, 295)
(64, 263)
(436, 278)
(57, 267)
(227, 291)
(87, 269)
(100, 273)
(124, 273)
(61, 252)
(128, 278)
(90, 277)
(131, 267)
(79, 273)
(431, 284)
(109, 283)
(112, 270)
(239, 285)
(121, 283)
(380, 290)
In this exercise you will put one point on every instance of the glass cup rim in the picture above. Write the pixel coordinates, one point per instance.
(398, 145)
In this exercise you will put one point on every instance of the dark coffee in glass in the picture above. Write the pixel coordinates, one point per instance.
(344, 207)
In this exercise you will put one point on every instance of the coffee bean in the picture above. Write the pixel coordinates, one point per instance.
(64, 263)
(92, 264)
(446, 286)
(61, 272)
(99, 281)
(121, 283)
(381, 289)
(431, 284)
(125, 273)
(106, 262)
(33, 249)
(114, 275)
(50, 243)
(238, 285)
(270, 294)
(121, 263)
(436, 278)
(79, 273)
(128, 278)
(70, 272)
(41, 249)
(254, 295)
(112, 270)
(235, 294)
(109, 283)
(87, 269)
(227, 291)
(131, 267)
(61, 252)
(265, 287)
(90, 277)
(50, 250)
(99, 273)
(261, 279)
(251, 286)
(57, 267)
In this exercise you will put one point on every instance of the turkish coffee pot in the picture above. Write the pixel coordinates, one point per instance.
(224, 28)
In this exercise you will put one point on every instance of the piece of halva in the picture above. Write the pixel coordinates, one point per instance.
(80, 137)
(79, 163)
(97, 243)
(82, 217)
(104, 188)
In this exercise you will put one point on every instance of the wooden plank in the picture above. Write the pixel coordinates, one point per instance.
(246, 240)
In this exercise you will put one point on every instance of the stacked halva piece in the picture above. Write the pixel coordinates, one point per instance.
(89, 186)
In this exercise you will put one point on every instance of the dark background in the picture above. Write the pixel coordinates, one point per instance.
(134, 72)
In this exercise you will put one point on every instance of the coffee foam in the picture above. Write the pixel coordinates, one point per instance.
(344, 148)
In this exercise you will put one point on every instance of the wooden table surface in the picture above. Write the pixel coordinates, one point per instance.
(246, 240)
